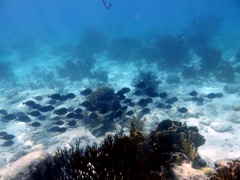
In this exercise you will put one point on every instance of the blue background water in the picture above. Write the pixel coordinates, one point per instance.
(60, 19)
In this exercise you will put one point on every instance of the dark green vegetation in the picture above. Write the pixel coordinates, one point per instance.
(129, 157)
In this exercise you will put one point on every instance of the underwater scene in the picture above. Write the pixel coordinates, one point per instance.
(118, 89)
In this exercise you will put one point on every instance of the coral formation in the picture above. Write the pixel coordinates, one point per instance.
(229, 171)
(129, 157)
(173, 50)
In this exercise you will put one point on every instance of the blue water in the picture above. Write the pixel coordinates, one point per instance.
(59, 19)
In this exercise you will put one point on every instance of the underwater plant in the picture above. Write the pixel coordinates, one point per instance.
(173, 50)
(93, 41)
(129, 157)
(76, 70)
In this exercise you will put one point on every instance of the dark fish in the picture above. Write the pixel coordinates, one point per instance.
(150, 91)
(121, 97)
(56, 118)
(36, 106)
(46, 108)
(219, 95)
(70, 115)
(138, 93)
(42, 118)
(78, 111)
(3, 112)
(70, 109)
(130, 113)
(62, 130)
(193, 93)
(127, 101)
(92, 108)
(123, 91)
(145, 111)
(163, 95)
(183, 110)
(211, 95)
(86, 92)
(36, 124)
(52, 102)
(144, 102)
(24, 118)
(2, 133)
(86, 104)
(116, 105)
(160, 105)
(9, 117)
(55, 96)
(168, 106)
(71, 95)
(63, 98)
(93, 116)
(8, 137)
(140, 85)
(72, 123)
(61, 111)
(78, 116)
(59, 123)
(7, 143)
(38, 98)
(131, 104)
(54, 129)
(172, 100)
(35, 113)
(200, 100)
(124, 108)
(29, 103)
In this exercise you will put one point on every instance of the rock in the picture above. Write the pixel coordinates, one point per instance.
(220, 127)
(28, 166)
(231, 89)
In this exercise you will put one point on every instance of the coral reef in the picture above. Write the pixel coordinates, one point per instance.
(129, 157)
(149, 79)
(173, 50)
(225, 73)
(122, 49)
(230, 170)
(92, 42)
(76, 70)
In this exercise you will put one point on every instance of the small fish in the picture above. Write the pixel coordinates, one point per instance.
(138, 93)
(160, 105)
(86, 92)
(72, 123)
(145, 111)
(55, 96)
(62, 129)
(93, 116)
(183, 110)
(172, 100)
(35, 113)
(86, 104)
(130, 113)
(168, 106)
(123, 91)
(42, 117)
(54, 129)
(59, 123)
(36, 124)
(52, 102)
(8, 137)
(140, 85)
(163, 95)
(38, 98)
(29, 103)
(78, 111)
(7, 143)
(219, 95)
(2, 133)
(3, 112)
(24, 118)
(193, 93)
(46, 108)
(63, 98)
(9, 117)
(61, 111)
(211, 95)
(71, 95)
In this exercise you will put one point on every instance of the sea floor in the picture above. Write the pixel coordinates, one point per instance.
(218, 119)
